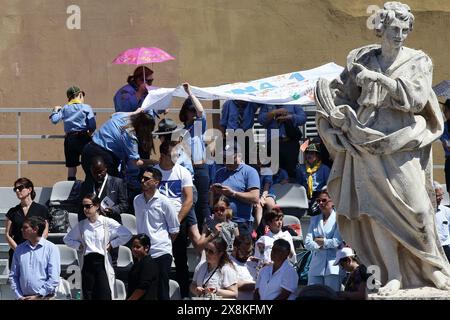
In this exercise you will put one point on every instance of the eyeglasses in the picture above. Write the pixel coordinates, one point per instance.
(221, 209)
(18, 188)
(148, 81)
(210, 251)
(323, 200)
(88, 206)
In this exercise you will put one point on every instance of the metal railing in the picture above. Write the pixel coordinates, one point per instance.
(19, 136)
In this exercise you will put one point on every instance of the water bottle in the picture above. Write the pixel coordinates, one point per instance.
(78, 295)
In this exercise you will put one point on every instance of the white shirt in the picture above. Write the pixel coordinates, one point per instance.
(270, 285)
(172, 184)
(156, 218)
(246, 273)
(222, 278)
(263, 247)
(443, 224)
(92, 235)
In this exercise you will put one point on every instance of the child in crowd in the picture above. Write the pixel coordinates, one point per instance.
(79, 124)
(264, 244)
(143, 276)
(222, 225)
(313, 174)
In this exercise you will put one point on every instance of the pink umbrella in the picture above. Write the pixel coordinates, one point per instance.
(142, 55)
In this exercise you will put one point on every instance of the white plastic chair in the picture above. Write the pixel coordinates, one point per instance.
(125, 257)
(174, 290)
(129, 221)
(291, 198)
(68, 256)
(73, 219)
(60, 192)
(121, 292)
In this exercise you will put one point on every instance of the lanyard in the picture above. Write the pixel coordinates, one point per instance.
(207, 280)
(103, 186)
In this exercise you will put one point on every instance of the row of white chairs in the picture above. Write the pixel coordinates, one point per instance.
(69, 256)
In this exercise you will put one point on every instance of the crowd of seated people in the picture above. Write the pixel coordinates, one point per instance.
(225, 208)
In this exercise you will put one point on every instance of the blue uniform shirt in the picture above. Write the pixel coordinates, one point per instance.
(242, 179)
(195, 139)
(320, 177)
(76, 117)
(298, 118)
(230, 115)
(35, 271)
(125, 99)
(114, 138)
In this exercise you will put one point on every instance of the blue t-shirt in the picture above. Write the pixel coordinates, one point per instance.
(242, 179)
(113, 137)
(125, 99)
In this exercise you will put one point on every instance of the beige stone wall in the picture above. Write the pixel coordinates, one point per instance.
(214, 42)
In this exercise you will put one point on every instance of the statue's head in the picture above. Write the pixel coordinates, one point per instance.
(393, 12)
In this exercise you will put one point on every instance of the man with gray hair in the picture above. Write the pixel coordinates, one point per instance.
(442, 219)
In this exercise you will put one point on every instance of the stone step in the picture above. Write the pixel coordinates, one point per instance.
(2, 221)
(2, 235)
(4, 248)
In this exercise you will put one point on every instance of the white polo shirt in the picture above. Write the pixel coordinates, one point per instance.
(246, 273)
(157, 218)
(270, 285)
(443, 224)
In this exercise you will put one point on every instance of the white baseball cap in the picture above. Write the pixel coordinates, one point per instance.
(343, 253)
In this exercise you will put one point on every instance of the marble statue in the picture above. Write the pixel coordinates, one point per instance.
(378, 120)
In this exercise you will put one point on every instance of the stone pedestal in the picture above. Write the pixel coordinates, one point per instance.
(425, 293)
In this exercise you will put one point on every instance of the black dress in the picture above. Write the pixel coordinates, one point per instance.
(144, 275)
(17, 217)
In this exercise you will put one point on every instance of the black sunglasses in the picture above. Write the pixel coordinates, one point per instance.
(18, 188)
(88, 206)
(148, 81)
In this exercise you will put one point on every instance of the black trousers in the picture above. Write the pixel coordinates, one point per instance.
(181, 261)
(447, 251)
(201, 182)
(92, 150)
(447, 172)
(94, 279)
(289, 151)
(164, 263)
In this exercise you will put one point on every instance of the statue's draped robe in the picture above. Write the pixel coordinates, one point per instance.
(382, 168)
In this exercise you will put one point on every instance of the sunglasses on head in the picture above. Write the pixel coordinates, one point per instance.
(18, 188)
(88, 206)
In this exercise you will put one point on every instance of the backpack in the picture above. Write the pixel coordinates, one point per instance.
(302, 266)
(59, 222)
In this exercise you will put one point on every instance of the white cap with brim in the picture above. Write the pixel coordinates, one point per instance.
(343, 253)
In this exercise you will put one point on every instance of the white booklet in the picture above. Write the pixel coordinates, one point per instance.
(107, 203)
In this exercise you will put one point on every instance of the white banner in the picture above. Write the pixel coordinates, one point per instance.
(290, 88)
